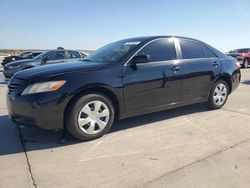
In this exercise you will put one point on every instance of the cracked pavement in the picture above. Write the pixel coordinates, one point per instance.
(184, 147)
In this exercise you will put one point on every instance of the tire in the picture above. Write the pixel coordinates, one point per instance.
(85, 121)
(245, 63)
(219, 101)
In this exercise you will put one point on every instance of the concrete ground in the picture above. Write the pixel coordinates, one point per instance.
(184, 147)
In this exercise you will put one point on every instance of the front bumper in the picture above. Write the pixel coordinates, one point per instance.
(45, 110)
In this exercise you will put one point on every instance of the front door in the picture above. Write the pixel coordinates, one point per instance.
(156, 84)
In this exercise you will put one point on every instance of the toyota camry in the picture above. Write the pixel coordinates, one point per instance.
(122, 79)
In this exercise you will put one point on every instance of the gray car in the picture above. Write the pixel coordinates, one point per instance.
(47, 57)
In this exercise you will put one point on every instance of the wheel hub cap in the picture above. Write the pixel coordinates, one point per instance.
(93, 117)
(220, 94)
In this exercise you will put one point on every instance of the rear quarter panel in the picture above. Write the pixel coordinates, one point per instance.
(230, 69)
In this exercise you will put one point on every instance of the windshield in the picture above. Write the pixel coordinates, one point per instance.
(113, 52)
(42, 55)
(24, 53)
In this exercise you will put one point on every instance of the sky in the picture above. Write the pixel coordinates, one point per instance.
(90, 24)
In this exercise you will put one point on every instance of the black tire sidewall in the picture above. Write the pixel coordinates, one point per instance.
(72, 119)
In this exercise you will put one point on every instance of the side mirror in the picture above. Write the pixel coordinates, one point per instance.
(138, 59)
(45, 59)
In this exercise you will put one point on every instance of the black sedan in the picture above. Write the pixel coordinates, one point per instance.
(123, 79)
(9, 59)
(23, 55)
(45, 58)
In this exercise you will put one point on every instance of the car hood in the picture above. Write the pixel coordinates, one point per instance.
(22, 61)
(48, 71)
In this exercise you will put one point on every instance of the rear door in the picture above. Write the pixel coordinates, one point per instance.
(200, 66)
(155, 84)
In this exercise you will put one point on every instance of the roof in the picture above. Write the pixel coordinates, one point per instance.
(144, 38)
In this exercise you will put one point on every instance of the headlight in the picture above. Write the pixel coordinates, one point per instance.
(43, 87)
(14, 66)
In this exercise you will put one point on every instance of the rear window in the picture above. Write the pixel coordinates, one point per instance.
(208, 53)
(191, 50)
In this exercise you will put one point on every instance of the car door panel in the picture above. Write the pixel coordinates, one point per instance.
(200, 66)
(55, 61)
(151, 85)
(198, 77)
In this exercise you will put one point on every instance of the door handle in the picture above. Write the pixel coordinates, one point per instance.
(176, 68)
(215, 64)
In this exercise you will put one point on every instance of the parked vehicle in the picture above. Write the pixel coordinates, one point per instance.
(2, 57)
(45, 58)
(123, 79)
(242, 55)
(9, 59)
(28, 55)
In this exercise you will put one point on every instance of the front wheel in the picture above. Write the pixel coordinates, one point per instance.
(218, 95)
(90, 116)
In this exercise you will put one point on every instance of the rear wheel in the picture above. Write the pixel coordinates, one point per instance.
(218, 95)
(90, 117)
(245, 63)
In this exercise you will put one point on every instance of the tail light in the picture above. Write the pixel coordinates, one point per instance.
(237, 63)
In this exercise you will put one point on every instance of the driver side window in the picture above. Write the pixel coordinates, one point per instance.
(159, 50)
(57, 55)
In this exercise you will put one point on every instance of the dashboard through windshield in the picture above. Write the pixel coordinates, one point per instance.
(113, 52)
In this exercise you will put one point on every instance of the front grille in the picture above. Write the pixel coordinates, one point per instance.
(16, 86)
(13, 88)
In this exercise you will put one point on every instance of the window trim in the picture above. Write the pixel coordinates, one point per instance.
(175, 46)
